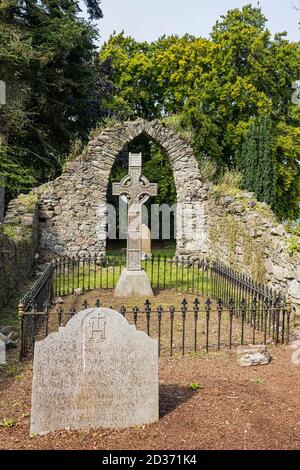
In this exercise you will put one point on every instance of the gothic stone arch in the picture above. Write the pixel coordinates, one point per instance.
(73, 214)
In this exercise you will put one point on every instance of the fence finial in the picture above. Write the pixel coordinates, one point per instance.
(21, 310)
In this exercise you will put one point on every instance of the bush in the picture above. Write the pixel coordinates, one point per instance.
(230, 183)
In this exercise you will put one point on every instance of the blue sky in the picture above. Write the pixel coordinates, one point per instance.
(149, 19)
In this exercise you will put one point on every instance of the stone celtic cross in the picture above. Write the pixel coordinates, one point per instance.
(135, 190)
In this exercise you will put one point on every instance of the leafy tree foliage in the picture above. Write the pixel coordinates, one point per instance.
(218, 86)
(55, 84)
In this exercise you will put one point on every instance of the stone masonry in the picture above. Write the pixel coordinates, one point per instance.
(73, 214)
(18, 245)
(244, 234)
(233, 228)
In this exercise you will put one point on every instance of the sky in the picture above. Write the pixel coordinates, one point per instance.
(147, 20)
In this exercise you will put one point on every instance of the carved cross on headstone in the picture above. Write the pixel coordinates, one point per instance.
(135, 190)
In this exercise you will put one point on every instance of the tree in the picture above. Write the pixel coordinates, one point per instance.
(56, 87)
(218, 87)
(256, 161)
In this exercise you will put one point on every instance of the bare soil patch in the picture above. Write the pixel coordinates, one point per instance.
(194, 331)
(232, 408)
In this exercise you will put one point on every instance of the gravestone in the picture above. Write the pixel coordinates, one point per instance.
(146, 240)
(135, 190)
(96, 372)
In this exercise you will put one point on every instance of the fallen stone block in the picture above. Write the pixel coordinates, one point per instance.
(253, 355)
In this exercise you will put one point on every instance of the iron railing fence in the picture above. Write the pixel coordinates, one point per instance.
(42, 290)
(203, 325)
(197, 276)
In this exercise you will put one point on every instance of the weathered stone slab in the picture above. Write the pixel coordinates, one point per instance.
(98, 371)
(133, 284)
(253, 355)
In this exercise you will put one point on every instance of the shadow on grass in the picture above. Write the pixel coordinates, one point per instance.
(173, 395)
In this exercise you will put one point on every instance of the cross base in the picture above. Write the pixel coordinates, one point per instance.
(133, 284)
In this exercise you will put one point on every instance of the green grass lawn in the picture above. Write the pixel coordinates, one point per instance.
(164, 248)
(163, 274)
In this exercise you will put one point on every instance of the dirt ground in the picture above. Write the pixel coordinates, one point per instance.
(230, 408)
(164, 299)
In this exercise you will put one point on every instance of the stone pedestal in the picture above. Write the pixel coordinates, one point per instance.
(133, 284)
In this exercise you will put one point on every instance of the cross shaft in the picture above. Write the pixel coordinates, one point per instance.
(135, 190)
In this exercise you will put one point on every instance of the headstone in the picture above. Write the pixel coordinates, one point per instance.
(253, 355)
(97, 372)
(146, 240)
(134, 189)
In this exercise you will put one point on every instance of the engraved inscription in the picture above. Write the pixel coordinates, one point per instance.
(97, 326)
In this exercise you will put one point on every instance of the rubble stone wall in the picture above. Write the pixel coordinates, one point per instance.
(19, 237)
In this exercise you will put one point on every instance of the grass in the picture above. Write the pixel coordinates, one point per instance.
(195, 386)
(7, 423)
(167, 248)
(163, 274)
(257, 381)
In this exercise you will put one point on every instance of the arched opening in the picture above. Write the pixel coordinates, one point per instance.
(157, 168)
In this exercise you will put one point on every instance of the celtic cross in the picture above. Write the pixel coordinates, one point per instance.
(135, 190)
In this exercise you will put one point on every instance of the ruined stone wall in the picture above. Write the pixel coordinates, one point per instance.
(73, 212)
(244, 234)
(234, 229)
(18, 245)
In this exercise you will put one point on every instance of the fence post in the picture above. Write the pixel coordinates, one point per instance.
(220, 311)
(183, 312)
(196, 313)
(243, 309)
(253, 319)
(231, 310)
(159, 314)
(172, 313)
(207, 310)
(21, 319)
(148, 313)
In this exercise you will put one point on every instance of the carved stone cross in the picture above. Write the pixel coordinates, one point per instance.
(135, 190)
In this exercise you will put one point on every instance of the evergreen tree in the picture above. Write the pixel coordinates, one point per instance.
(266, 189)
(55, 85)
(256, 161)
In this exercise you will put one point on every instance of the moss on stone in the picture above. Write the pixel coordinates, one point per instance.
(293, 245)
(17, 232)
(266, 211)
(233, 234)
(28, 202)
(173, 122)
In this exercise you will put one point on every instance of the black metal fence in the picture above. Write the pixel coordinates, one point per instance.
(203, 325)
(198, 276)
(238, 296)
